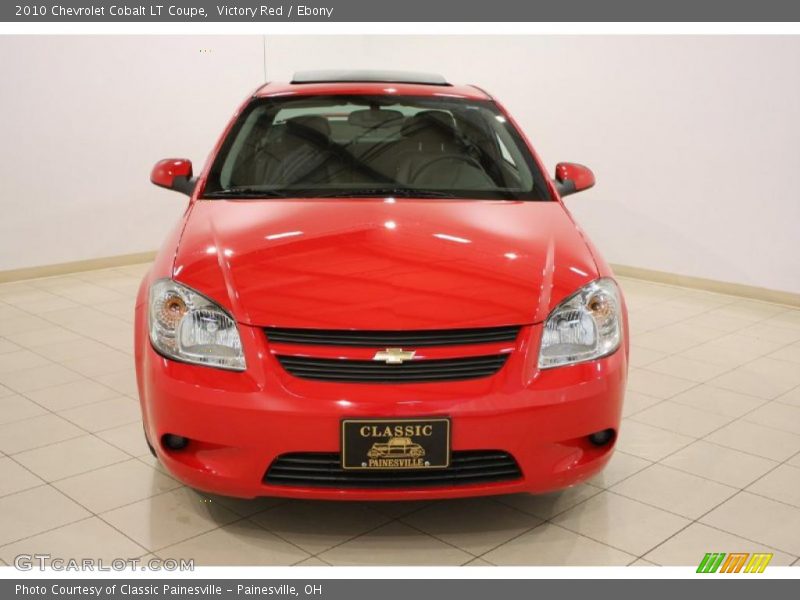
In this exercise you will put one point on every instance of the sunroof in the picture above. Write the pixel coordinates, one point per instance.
(368, 77)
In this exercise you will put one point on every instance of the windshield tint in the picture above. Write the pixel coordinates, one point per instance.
(345, 146)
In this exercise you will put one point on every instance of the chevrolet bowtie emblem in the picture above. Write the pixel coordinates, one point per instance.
(394, 356)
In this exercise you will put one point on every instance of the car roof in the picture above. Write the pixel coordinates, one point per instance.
(370, 83)
(362, 76)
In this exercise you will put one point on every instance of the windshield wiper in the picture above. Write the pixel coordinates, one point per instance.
(378, 192)
(246, 192)
(387, 192)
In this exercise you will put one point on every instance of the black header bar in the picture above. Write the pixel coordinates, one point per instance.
(573, 11)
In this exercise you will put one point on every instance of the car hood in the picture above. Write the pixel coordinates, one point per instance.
(383, 263)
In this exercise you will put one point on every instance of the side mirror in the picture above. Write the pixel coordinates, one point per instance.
(572, 178)
(174, 174)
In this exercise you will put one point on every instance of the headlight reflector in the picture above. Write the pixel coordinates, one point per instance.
(585, 326)
(189, 327)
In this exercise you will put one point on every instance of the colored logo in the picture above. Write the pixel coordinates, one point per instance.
(394, 356)
(735, 562)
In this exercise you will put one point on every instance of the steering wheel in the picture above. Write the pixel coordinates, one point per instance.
(462, 158)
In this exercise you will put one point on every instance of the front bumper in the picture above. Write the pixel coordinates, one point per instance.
(238, 423)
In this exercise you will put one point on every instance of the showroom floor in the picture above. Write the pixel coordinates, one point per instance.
(708, 460)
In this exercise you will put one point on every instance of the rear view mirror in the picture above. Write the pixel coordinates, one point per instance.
(174, 174)
(572, 178)
(372, 119)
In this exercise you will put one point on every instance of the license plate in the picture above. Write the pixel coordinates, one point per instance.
(395, 444)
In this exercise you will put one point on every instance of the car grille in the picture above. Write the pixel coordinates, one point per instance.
(369, 371)
(318, 469)
(376, 339)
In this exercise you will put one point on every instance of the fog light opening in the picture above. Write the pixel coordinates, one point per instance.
(174, 442)
(602, 438)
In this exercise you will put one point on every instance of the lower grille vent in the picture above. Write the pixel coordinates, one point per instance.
(318, 469)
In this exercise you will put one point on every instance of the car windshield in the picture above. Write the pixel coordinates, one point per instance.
(351, 146)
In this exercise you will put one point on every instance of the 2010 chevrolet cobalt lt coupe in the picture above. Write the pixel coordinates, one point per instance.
(376, 293)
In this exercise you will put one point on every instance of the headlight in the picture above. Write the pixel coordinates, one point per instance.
(191, 328)
(585, 326)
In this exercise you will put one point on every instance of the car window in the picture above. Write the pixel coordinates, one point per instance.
(334, 146)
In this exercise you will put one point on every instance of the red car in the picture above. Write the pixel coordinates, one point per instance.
(376, 293)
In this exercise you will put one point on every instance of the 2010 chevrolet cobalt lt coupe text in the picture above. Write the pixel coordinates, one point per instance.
(376, 293)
